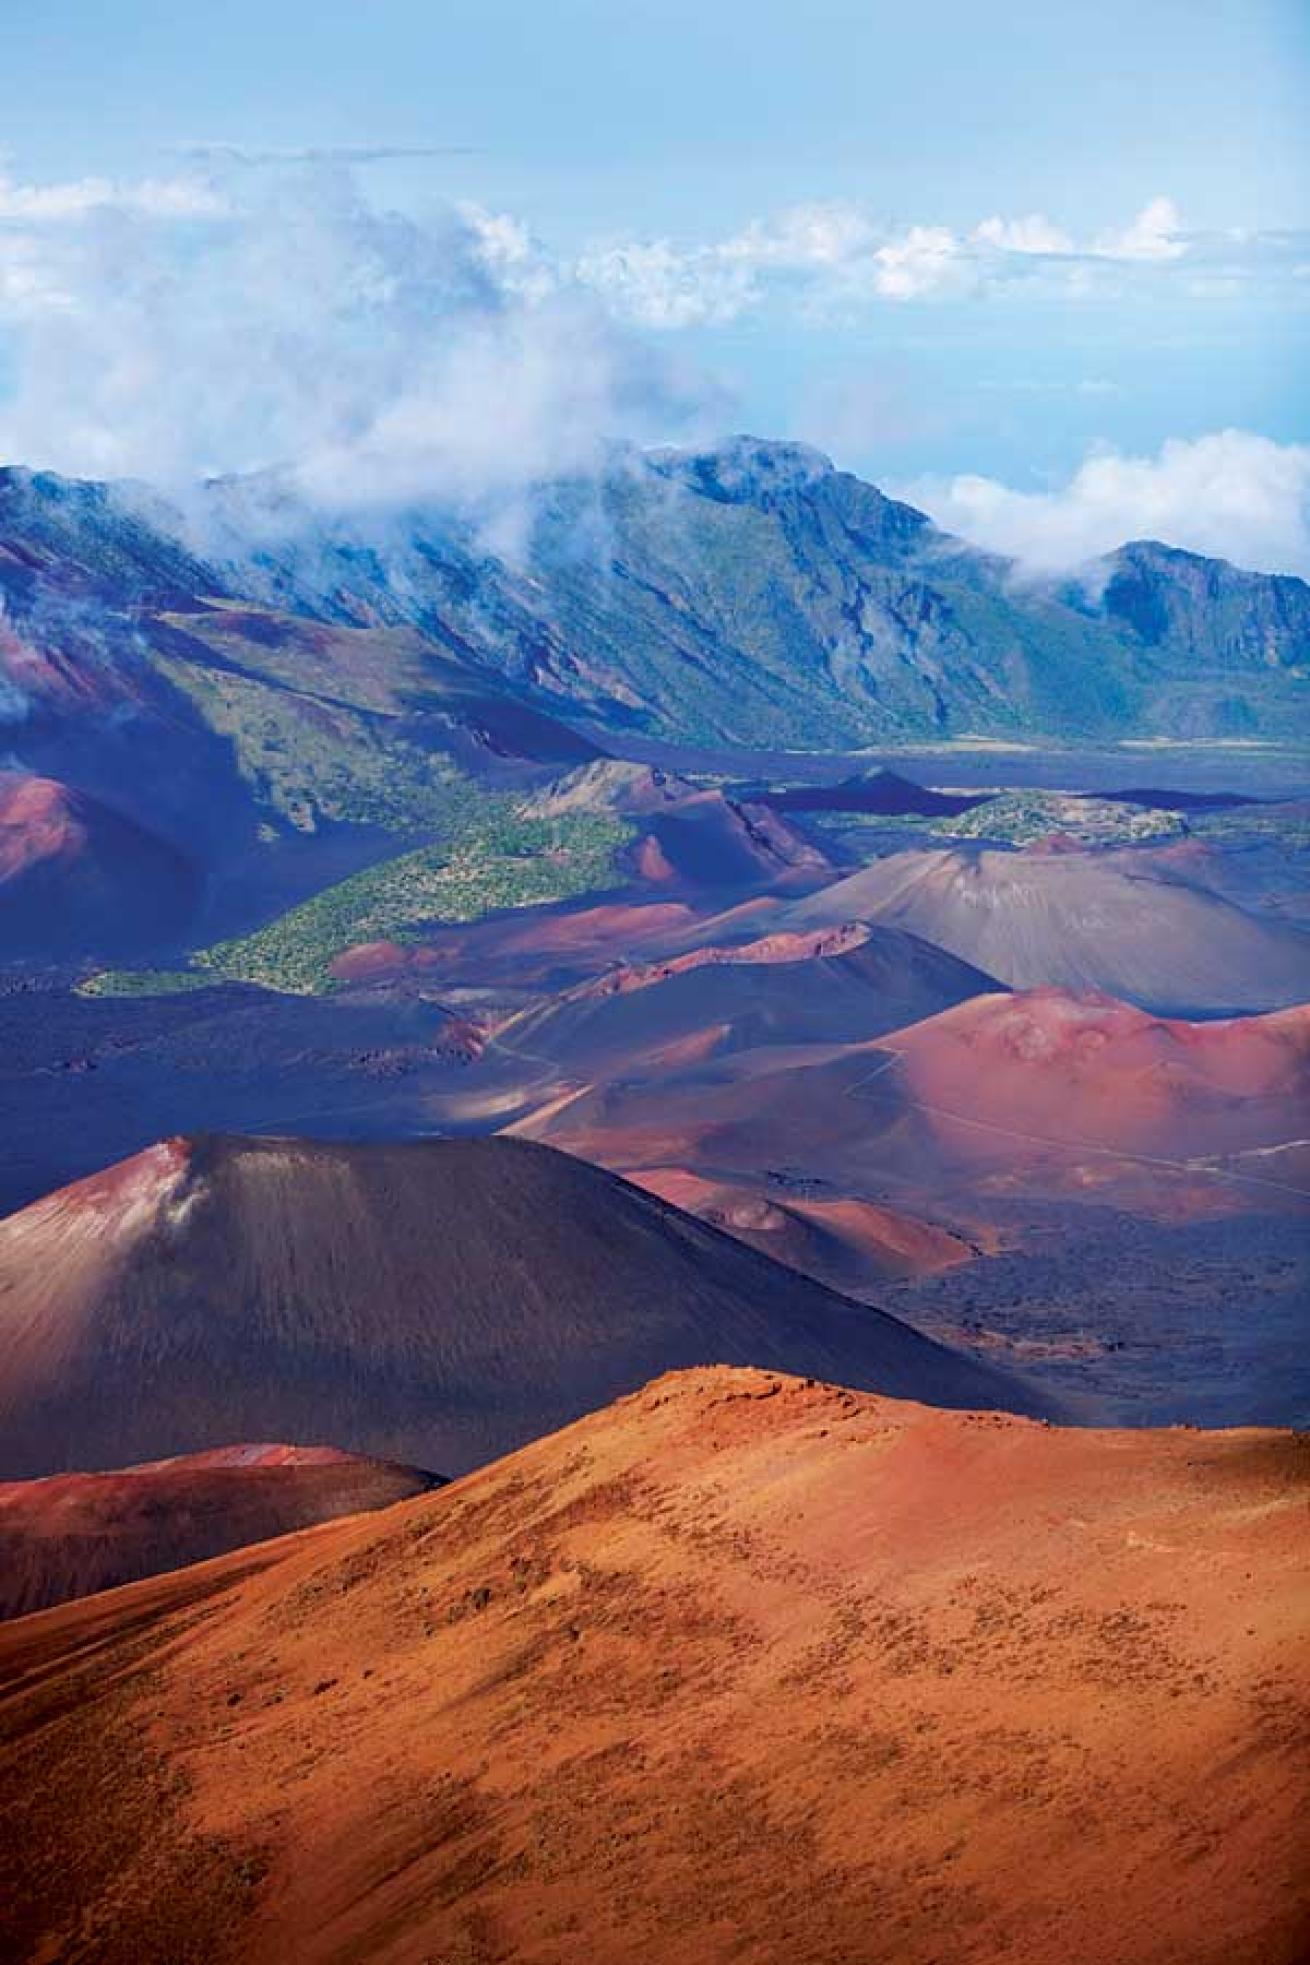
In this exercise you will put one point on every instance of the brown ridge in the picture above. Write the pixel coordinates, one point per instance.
(740, 1668)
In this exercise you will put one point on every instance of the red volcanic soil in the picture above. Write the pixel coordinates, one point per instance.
(37, 822)
(741, 1668)
(825, 986)
(71, 1534)
(1002, 1100)
(372, 961)
(433, 1302)
(1056, 842)
(55, 678)
(994, 1080)
(1087, 1069)
(785, 946)
(885, 1238)
(653, 863)
(539, 946)
(845, 1242)
(76, 878)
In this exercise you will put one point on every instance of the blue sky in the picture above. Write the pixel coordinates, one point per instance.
(694, 113)
(824, 217)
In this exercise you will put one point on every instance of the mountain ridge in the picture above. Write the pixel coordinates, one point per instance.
(739, 1667)
(750, 593)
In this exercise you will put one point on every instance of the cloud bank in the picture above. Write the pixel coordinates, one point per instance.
(838, 258)
(245, 321)
(1231, 495)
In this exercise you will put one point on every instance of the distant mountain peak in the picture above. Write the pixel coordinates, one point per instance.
(742, 469)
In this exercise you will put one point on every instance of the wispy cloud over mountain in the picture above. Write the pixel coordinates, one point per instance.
(235, 321)
(1231, 494)
(257, 311)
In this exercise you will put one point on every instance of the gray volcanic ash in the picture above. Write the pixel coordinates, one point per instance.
(434, 1302)
(1126, 922)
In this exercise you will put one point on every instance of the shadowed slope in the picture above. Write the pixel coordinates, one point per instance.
(884, 792)
(72, 1534)
(739, 1669)
(832, 986)
(78, 878)
(436, 1302)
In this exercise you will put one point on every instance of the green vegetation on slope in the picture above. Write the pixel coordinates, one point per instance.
(494, 857)
(146, 982)
(1019, 817)
(1286, 825)
(1013, 818)
(311, 760)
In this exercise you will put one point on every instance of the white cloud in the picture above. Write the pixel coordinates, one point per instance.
(803, 236)
(146, 289)
(925, 261)
(26, 285)
(660, 287)
(276, 318)
(837, 256)
(240, 319)
(1232, 495)
(177, 197)
(1034, 234)
(334, 153)
(825, 252)
(509, 252)
(1152, 235)
(821, 260)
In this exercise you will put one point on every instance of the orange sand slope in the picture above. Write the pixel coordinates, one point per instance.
(71, 1534)
(38, 821)
(741, 1668)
